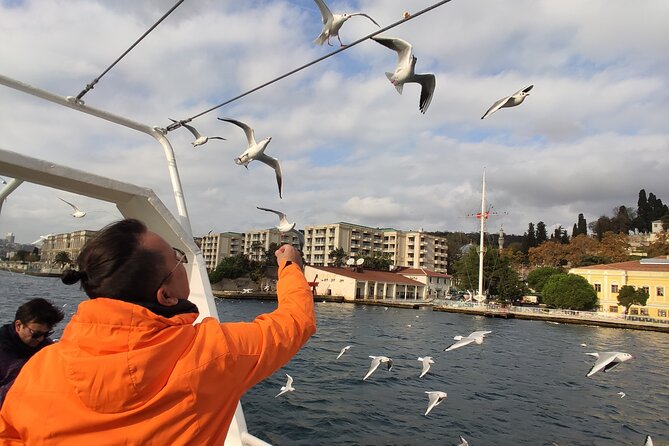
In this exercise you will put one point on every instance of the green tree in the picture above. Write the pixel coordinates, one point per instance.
(338, 256)
(62, 258)
(270, 258)
(529, 239)
(231, 268)
(582, 225)
(542, 235)
(537, 278)
(628, 296)
(378, 261)
(569, 291)
(506, 283)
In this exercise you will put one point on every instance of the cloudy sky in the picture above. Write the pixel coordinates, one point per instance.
(592, 133)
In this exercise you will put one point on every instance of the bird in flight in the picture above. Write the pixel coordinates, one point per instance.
(199, 139)
(256, 151)
(510, 101)
(288, 387)
(405, 70)
(332, 23)
(78, 213)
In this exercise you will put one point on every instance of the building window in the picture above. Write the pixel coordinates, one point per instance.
(646, 290)
(662, 313)
(598, 287)
(614, 288)
(634, 311)
(613, 309)
(643, 311)
(659, 291)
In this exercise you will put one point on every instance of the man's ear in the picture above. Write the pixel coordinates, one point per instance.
(16, 325)
(165, 299)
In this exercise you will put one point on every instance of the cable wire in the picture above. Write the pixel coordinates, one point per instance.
(178, 124)
(90, 86)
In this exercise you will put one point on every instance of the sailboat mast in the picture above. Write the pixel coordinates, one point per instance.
(481, 247)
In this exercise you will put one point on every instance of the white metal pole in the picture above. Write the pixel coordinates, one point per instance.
(8, 189)
(481, 247)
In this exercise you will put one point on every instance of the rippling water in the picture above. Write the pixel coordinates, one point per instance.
(525, 385)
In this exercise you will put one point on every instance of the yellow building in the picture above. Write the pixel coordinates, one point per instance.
(70, 243)
(650, 274)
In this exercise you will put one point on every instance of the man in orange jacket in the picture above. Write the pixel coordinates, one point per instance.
(132, 367)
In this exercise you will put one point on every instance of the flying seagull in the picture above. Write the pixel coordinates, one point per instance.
(256, 151)
(41, 239)
(343, 350)
(648, 442)
(288, 387)
(78, 213)
(435, 399)
(510, 101)
(476, 336)
(426, 365)
(622, 394)
(199, 139)
(405, 70)
(332, 23)
(376, 361)
(463, 442)
(284, 225)
(607, 360)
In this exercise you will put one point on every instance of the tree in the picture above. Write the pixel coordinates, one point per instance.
(660, 247)
(542, 235)
(569, 291)
(622, 220)
(548, 254)
(270, 258)
(538, 277)
(643, 211)
(600, 226)
(378, 261)
(506, 283)
(628, 296)
(62, 258)
(232, 268)
(337, 256)
(614, 247)
(529, 239)
(582, 225)
(580, 248)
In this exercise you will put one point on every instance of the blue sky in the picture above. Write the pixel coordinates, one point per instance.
(589, 137)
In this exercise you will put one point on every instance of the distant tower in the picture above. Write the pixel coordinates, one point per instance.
(10, 237)
(501, 237)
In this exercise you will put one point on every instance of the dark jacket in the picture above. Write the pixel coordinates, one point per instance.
(14, 353)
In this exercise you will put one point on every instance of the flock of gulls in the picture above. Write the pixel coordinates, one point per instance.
(605, 361)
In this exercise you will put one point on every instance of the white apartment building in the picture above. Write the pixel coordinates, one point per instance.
(412, 249)
(217, 246)
(258, 241)
(436, 284)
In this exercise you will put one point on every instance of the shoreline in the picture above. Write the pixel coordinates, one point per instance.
(476, 311)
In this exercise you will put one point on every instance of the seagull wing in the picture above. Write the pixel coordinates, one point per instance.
(289, 381)
(375, 365)
(343, 350)
(428, 82)
(524, 90)
(401, 46)
(463, 442)
(73, 206)
(605, 361)
(192, 129)
(364, 15)
(326, 14)
(496, 106)
(282, 216)
(648, 442)
(461, 343)
(478, 334)
(434, 399)
(250, 134)
(426, 367)
(274, 164)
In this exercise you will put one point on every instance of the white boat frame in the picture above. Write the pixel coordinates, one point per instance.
(132, 202)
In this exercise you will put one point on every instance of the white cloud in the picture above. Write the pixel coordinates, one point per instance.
(591, 134)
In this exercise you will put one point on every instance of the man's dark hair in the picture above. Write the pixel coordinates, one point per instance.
(40, 311)
(114, 265)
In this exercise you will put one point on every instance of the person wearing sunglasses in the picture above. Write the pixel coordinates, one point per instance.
(21, 339)
(134, 367)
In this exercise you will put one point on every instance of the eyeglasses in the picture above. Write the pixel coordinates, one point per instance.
(181, 259)
(38, 334)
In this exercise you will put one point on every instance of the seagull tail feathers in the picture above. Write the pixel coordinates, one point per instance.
(320, 40)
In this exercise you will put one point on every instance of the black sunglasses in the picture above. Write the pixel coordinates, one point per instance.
(39, 334)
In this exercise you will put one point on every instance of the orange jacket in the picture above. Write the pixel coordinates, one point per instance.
(124, 375)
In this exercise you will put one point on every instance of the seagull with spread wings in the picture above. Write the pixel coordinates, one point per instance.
(510, 101)
(78, 213)
(405, 70)
(199, 139)
(256, 151)
(332, 23)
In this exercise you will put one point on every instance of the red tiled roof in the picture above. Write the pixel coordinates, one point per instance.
(369, 275)
(634, 265)
(419, 272)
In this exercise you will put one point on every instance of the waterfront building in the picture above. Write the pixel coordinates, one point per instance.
(436, 284)
(257, 241)
(405, 248)
(650, 274)
(70, 242)
(217, 246)
(359, 283)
